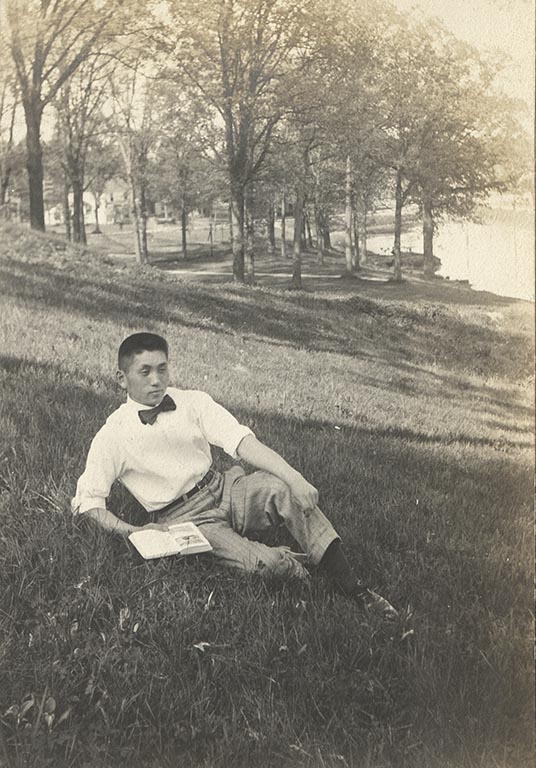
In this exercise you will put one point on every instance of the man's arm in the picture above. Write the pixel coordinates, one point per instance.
(103, 467)
(260, 456)
(110, 522)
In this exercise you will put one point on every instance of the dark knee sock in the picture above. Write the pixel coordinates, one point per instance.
(338, 569)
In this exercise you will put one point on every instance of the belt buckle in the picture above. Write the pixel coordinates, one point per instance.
(205, 480)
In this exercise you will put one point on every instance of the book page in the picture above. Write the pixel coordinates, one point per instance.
(188, 538)
(181, 538)
(152, 543)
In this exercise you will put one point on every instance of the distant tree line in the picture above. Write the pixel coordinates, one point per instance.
(330, 106)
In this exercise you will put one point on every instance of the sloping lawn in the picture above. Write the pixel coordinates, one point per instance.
(410, 407)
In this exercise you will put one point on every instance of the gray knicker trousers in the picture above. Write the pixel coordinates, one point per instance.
(234, 506)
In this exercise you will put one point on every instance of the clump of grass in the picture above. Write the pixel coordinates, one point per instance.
(423, 461)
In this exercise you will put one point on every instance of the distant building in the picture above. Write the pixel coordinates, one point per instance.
(115, 207)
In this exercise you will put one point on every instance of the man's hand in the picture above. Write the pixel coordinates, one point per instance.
(305, 495)
(260, 456)
(154, 527)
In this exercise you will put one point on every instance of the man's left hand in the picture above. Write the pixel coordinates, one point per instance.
(305, 495)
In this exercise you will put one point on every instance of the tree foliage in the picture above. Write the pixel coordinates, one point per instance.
(324, 105)
(49, 40)
(239, 55)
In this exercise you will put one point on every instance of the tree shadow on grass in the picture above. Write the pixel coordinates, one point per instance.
(438, 290)
(357, 327)
(416, 381)
(348, 329)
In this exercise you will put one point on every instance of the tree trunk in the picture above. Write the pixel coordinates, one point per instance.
(356, 260)
(34, 164)
(67, 210)
(4, 185)
(78, 208)
(231, 228)
(250, 234)
(97, 230)
(184, 226)
(325, 232)
(398, 228)
(363, 248)
(238, 235)
(8, 147)
(308, 230)
(348, 217)
(143, 226)
(271, 227)
(297, 244)
(140, 225)
(283, 227)
(83, 220)
(135, 216)
(211, 233)
(319, 234)
(428, 235)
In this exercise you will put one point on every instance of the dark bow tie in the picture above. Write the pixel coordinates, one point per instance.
(149, 416)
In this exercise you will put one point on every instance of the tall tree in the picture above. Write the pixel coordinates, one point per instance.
(79, 119)
(134, 124)
(48, 42)
(344, 81)
(371, 185)
(57, 184)
(472, 143)
(9, 103)
(305, 138)
(403, 74)
(445, 132)
(103, 164)
(188, 175)
(238, 54)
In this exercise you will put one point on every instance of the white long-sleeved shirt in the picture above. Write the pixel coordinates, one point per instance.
(156, 462)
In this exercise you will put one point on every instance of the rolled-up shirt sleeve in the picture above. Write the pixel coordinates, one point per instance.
(219, 426)
(102, 469)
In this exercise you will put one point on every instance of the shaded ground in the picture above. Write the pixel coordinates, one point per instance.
(272, 270)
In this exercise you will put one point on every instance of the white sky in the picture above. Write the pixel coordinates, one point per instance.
(506, 25)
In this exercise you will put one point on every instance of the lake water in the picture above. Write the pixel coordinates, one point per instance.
(496, 255)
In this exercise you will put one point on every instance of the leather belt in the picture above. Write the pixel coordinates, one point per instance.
(176, 503)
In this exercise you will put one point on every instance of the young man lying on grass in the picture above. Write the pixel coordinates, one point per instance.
(157, 445)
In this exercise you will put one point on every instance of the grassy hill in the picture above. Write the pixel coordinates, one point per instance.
(409, 406)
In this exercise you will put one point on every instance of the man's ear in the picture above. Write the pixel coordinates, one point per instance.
(121, 379)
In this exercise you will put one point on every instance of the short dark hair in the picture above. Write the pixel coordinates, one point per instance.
(139, 342)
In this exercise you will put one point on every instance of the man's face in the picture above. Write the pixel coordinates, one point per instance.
(146, 378)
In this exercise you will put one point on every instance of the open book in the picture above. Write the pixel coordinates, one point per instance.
(180, 538)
